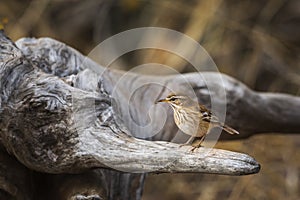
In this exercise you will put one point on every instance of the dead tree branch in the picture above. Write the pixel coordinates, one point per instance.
(65, 120)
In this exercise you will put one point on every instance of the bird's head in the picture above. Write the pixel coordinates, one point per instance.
(176, 101)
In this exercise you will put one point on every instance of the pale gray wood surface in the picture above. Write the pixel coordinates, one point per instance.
(71, 119)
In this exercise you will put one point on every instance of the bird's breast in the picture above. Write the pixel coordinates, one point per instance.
(188, 121)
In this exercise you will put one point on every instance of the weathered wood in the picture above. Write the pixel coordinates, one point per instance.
(247, 111)
(114, 183)
(117, 185)
(55, 142)
(68, 122)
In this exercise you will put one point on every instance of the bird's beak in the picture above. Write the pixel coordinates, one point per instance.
(161, 100)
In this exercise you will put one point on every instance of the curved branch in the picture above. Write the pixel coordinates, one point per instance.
(248, 111)
(51, 126)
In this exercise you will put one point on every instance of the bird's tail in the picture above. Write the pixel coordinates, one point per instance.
(229, 129)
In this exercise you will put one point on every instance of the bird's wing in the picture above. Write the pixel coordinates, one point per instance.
(207, 115)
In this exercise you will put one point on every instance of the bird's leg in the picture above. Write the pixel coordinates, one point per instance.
(198, 143)
(187, 142)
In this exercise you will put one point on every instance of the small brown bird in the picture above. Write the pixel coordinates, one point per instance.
(193, 118)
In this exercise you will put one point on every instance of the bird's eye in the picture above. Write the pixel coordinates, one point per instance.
(172, 99)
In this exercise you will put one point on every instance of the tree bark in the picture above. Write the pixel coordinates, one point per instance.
(70, 120)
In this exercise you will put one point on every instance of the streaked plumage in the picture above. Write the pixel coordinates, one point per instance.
(192, 118)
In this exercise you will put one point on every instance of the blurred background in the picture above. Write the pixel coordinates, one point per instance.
(255, 41)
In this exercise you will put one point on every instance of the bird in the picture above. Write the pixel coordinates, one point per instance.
(193, 118)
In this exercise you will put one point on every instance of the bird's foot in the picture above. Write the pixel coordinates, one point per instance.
(197, 143)
(195, 147)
